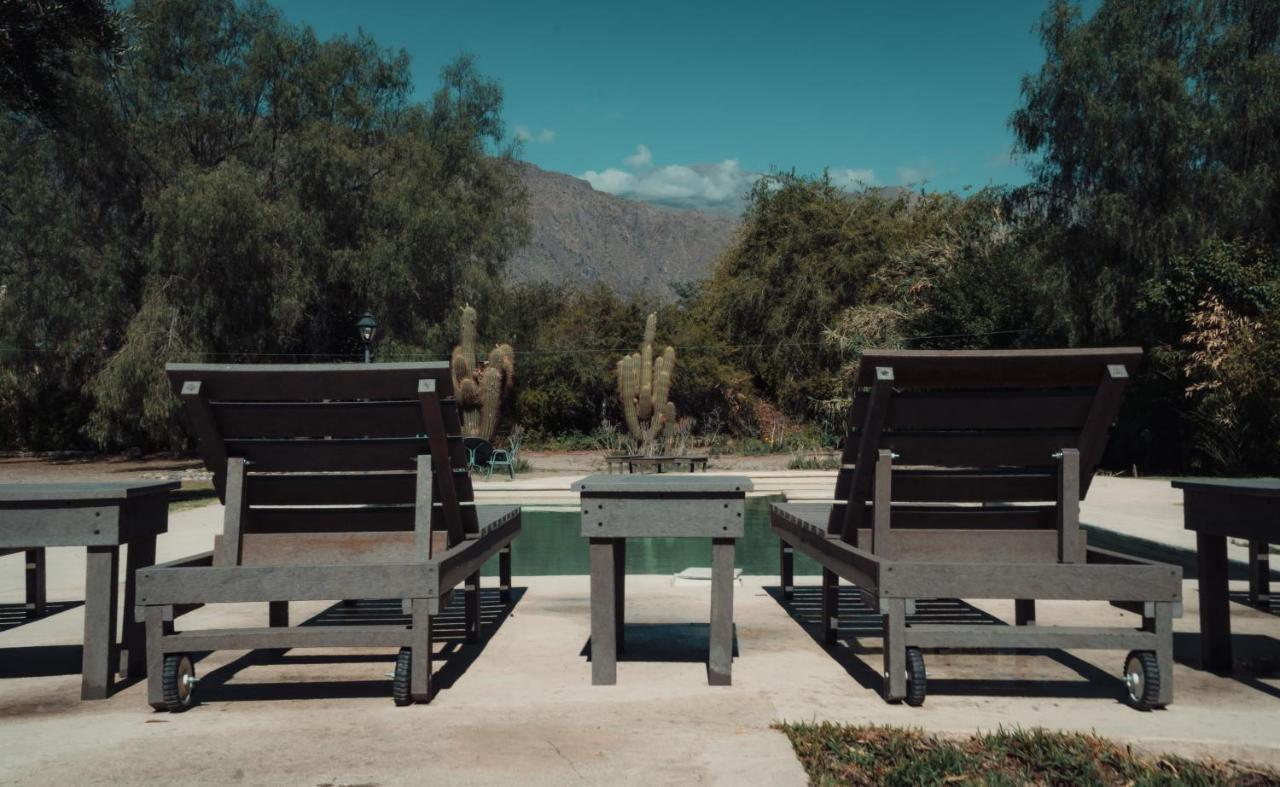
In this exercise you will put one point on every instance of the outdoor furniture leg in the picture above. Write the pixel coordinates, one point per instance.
(1259, 574)
(1161, 624)
(720, 667)
(788, 570)
(895, 648)
(1024, 611)
(504, 575)
(278, 614)
(473, 607)
(1215, 612)
(36, 583)
(133, 654)
(155, 628)
(620, 591)
(420, 656)
(830, 606)
(101, 595)
(604, 656)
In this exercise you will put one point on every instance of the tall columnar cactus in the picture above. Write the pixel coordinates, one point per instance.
(644, 384)
(480, 387)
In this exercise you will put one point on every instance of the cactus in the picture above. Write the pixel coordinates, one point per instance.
(644, 385)
(480, 387)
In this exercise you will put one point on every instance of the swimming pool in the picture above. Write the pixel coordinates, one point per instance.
(550, 543)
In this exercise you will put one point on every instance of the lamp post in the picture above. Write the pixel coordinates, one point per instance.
(368, 327)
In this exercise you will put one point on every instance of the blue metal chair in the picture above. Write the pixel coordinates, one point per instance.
(479, 454)
(506, 457)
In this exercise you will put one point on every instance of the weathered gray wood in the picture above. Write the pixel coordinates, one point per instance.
(604, 657)
(54, 524)
(859, 567)
(199, 416)
(504, 575)
(787, 571)
(1160, 625)
(100, 600)
(227, 584)
(882, 503)
(140, 553)
(153, 622)
(36, 582)
(83, 491)
(353, 636)
(451, 518)
(312, 382)
(1106, 406)
(658, 486)
(1215, 609)
(1250, 513)
(894, 612)
(460, 561)
(1024, 611)
(668, 517)
(1259, 573)
(852, 486)
(423, 512)
(620, 592)
(830, 606)
(1068, 510)
(1153, 582)
(948, 635)
(720, 661)
(235, 512)
(420, 659)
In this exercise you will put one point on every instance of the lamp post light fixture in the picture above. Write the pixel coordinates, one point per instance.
(368, 328)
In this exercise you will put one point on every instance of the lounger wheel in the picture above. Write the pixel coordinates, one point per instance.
(400, 678)
(916, 678)
(1142, 679)
(179, 681)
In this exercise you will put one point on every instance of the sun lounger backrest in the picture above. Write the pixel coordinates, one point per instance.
(970, 427)
(331, 459)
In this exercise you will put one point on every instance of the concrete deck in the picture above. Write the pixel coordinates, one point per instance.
(520, 707)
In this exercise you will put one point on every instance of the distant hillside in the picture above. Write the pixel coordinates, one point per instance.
(581, 236)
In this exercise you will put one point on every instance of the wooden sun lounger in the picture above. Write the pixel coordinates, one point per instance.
(341, 481)
(961, 477)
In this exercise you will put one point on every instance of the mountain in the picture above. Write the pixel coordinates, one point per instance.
(580, 236)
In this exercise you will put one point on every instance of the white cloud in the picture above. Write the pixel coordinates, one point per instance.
(910, 176)
(853, 179)
(641, 158)
(524, 134)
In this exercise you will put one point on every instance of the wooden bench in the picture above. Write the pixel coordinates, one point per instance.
(341, 481)
(961, 477)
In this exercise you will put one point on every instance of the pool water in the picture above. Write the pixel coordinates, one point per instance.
(550, 542)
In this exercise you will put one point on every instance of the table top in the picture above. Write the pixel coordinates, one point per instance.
(1266, 487)
(691, 483)
(83, 490)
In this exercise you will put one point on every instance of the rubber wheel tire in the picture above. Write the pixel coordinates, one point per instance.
(400, 680)
(1142, 680)
(178, 693)
(916, 678)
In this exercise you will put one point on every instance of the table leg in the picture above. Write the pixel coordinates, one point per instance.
(620, 591)
(100, 597)
(36, 583)
(830, 606)
(133, 653)
(471, 598)
(604, 655)
(1215, 612)
(1260, 574)
(1024, 611)
(787, 570)
(720, 667)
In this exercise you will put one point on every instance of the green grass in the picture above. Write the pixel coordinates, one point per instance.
(834, 754)
(193, 494)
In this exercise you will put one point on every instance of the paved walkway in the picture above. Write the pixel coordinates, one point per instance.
(521, 708)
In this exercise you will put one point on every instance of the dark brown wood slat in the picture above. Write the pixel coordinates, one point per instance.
(858, 483)
(443, 463)
(318, 419)
(934, 486)
(977, 449)
(996, 368)
(329, 455)
(312, 382)
(372, 519)
(1047, 409)
(958, 544)
(332, 489)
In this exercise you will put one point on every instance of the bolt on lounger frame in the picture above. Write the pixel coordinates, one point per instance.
(341, 481)
(961, 477)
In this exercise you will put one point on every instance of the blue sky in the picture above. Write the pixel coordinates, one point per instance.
(686, 102)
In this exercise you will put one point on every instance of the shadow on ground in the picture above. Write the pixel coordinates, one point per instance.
(447, 634)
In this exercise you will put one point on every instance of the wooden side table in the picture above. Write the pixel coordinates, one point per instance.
(615, 508)
(1218, 509)
(100, 517)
